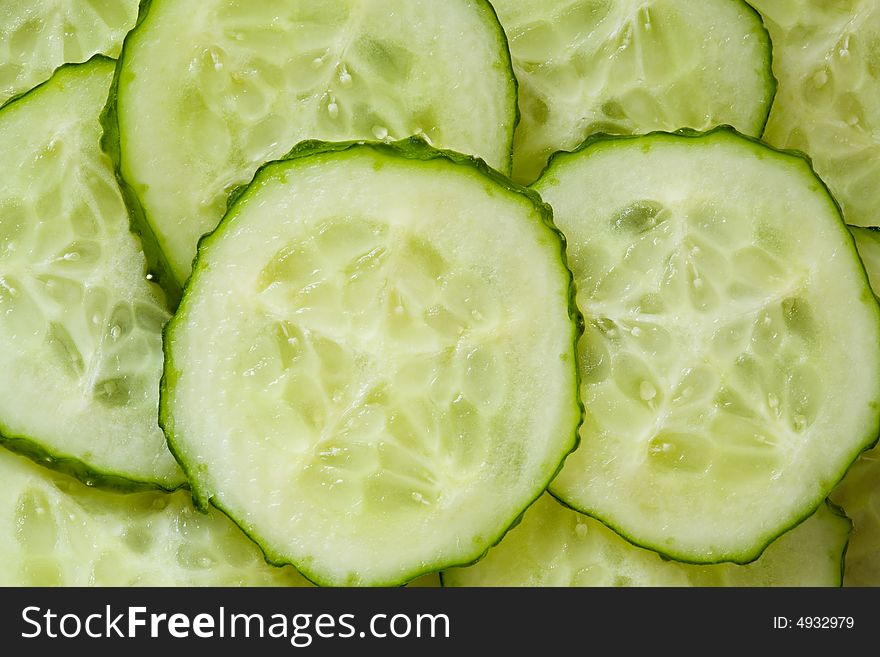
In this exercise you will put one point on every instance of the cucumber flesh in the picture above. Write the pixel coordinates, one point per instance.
(80, 326)
(226, 85)
(372, 369)
(827, 60)
(55, 531)
(730, 359)
(38, 36)
(859, 492)
(627, 66)
(555, 546)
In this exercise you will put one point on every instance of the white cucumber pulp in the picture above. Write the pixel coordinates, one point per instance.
(729, 363)
(859, 492)
(556, 546)
(373, 366)
(38, 36)
(208, 90)
(55, 531)
(827, 60)
(631, 66)
(80, 326)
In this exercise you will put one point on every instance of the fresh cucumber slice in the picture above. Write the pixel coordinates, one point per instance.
(859, 492)
(730, 359)
(373, 368)
(868, 245)
(210, 89)
(827, 58)
(54, 531)
(555, 546)
(627, 66)
(80, 326)
(38, 36)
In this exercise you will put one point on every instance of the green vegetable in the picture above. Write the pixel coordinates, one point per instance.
(80, 326)
(372, 370)
(732, 347)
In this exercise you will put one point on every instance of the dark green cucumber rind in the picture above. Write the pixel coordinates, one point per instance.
(772, 83)
(74, 467)
(158, 263)
(792, 159)
(507, 64)
(111, 142)
(413, 148)
(841, 513)
(35, 450)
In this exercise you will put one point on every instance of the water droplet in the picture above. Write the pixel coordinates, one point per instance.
(71, 256)
(115, 332)
(380, 132)
(344, 76)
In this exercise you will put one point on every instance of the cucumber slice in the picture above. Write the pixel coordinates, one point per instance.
(80, 326)
(226, 85)
(38, 36)
(730, 359)
(555, 546)
(372, 370)
(627, 66)
(859, 492)
(868, 245)
(827, 58)
(54, 531)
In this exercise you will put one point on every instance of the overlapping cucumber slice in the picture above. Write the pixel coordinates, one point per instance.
(730, 359)
(827, 58)
(555, 546)
(373, 366)
(38, 36)
(80, 326)
(859, 492)
(208, 90)
(55, 531)
(631, 66)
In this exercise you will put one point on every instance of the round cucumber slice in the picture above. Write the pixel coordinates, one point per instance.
(372, 369)
(208, 90)
(730, 359)
(38, 36)
(859, 492)
(54, 531)
(555, 546)
(632, 66)
(80, 326)
(827, 58)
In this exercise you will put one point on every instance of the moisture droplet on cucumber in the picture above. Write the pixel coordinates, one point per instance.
(80, 326)
(54, 531)
(208, 90)
(827, 58)
(555, 546)
(372, 369)
(38, 36)
(627, 66)
(729, 363)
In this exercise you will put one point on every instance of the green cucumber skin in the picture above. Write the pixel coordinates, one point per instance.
(36, 452)
(158, 265)
(799, 158)
(413, 148)
(772, 80)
